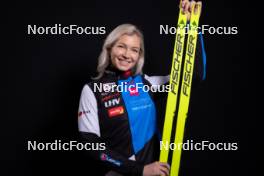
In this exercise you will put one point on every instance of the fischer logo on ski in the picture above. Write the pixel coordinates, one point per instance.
(180, 90)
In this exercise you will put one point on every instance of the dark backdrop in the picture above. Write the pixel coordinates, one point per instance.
(47, 72)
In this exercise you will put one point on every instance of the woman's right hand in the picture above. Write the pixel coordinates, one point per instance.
(156, 169)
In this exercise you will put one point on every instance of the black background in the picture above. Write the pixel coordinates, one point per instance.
(47, 72)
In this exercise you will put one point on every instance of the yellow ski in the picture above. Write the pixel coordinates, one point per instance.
(174, 85)
(185, 89)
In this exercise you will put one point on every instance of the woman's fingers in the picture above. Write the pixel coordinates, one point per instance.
(156, 168)
(196, 5)
(166, 165)
(182, 3)
(199, 3)
(165, 170)
(187, 6)
(191, 6)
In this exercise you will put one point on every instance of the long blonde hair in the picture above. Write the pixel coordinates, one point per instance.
(104, 58)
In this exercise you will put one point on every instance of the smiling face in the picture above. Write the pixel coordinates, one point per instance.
(125, 52)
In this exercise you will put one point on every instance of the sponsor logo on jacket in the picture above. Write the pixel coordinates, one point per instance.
(105, 157)
(116, 111)
(133, 91)
(112, 102)
(108, 97)
(80, 113)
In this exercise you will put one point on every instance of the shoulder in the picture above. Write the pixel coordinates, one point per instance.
(87, 91)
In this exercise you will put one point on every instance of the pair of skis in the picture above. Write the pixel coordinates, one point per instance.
(182, 89)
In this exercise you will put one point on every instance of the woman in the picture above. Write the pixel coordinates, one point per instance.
(124, 122)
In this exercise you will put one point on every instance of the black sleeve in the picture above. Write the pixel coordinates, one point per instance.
(111, 159)
(89, 130)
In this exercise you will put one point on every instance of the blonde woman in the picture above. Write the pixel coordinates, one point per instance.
(122, 123)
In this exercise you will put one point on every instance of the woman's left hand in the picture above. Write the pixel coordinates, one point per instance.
(187, 5)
